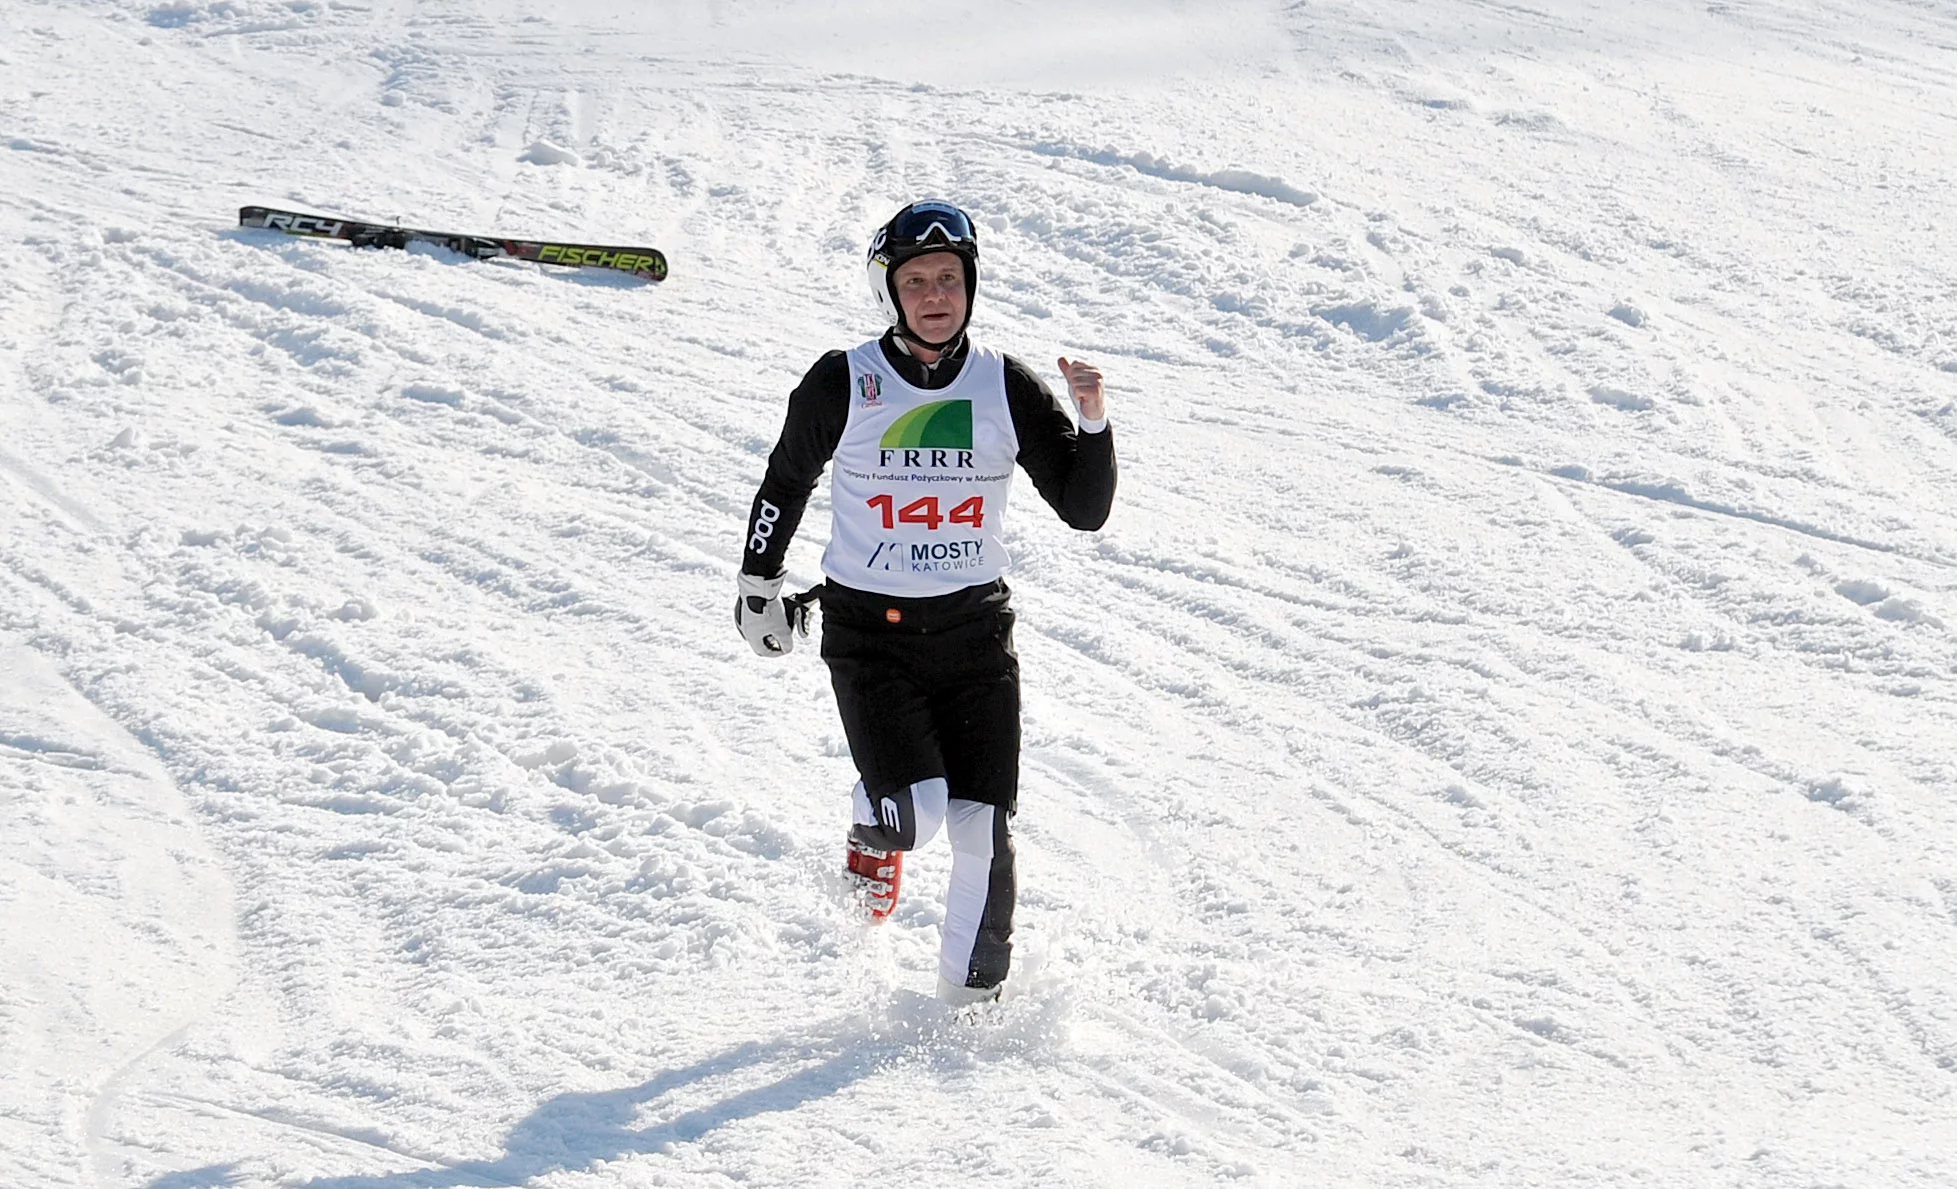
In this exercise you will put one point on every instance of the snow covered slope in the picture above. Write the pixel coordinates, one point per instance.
(1506, 735)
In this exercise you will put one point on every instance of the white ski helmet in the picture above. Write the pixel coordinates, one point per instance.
(918, 230)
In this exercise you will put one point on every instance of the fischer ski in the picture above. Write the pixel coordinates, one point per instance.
(649, 263)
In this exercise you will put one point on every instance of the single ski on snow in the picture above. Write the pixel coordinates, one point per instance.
(648, 263)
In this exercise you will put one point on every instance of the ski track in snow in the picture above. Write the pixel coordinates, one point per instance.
(1503, 737)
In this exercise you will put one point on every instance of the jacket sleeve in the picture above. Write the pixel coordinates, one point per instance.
(817, 411)
(1073, 471)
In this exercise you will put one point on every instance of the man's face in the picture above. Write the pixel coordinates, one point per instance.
(931, 289)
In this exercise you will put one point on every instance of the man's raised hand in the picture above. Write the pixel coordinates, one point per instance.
(1084, 385)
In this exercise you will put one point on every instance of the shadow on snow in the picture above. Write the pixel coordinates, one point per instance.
(575, 1131)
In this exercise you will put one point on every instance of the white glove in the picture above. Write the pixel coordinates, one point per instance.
(759, 613)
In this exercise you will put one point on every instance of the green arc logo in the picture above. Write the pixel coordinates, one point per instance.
(943, 425)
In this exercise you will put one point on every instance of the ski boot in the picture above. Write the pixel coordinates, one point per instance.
(877, 873)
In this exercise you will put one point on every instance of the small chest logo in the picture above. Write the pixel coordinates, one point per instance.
(872, 389)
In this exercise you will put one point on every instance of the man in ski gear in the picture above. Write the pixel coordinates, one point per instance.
(924, 428)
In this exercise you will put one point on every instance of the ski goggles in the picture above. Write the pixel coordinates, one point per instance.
(923, 226)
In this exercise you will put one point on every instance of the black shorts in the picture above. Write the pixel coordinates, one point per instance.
(927, 687)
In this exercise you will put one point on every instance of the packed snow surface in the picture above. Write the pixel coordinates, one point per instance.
(1506, 735)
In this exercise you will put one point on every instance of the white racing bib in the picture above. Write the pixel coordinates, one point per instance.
(919, 482)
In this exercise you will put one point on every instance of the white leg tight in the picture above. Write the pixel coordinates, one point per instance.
(977, 947)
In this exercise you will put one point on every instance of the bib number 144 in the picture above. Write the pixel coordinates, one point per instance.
(926, 512)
